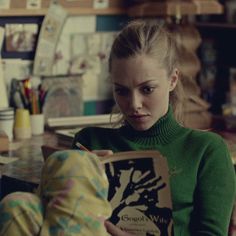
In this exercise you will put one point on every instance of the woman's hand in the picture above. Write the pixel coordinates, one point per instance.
(114, 230)
(102, 154)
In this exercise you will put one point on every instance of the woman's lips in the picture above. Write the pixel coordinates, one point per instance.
(138, 117)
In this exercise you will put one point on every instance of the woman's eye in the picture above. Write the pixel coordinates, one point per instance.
(121, 91)
(148, 89)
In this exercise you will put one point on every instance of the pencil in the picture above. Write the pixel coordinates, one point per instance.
(82, 147)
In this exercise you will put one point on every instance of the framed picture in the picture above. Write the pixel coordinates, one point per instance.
(21, 37)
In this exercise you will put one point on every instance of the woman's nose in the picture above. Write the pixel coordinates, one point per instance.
(135, 102)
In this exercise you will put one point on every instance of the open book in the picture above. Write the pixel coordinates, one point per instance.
(139, 192)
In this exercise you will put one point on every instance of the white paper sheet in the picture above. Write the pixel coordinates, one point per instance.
(33, 4)
(3, 88)
(73, 25)
(7, 160)
(4, 4)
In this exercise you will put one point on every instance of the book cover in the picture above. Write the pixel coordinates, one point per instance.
(139, 192)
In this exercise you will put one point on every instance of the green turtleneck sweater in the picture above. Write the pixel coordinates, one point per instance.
(202, 177)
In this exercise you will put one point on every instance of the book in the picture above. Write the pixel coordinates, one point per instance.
(139, 191)
(65, 136)
(83, 121)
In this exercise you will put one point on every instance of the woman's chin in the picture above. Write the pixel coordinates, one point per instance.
(141, 127)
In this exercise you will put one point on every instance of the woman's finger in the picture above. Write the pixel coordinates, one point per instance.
(114, 230)
(102, 153)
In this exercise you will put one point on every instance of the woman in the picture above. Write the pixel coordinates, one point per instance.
(147, 89)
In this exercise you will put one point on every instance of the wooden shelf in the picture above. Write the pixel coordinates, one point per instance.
(216, 25)
(72, 11)
(140, 10)
(176, 8)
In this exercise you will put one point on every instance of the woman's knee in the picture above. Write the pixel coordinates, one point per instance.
(21, 212)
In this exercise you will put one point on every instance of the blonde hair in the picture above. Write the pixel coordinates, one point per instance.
(150, 38)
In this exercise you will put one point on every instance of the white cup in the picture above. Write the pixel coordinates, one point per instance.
(7, 126)
(37, 124)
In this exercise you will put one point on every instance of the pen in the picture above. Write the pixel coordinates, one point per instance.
(80, 146)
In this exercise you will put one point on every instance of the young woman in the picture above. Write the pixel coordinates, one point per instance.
(147, 90)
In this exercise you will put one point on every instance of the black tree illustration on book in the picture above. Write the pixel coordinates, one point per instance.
(135, 184)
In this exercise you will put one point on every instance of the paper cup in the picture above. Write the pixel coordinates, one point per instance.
(7, 126)
(22, 127)
(37, 124)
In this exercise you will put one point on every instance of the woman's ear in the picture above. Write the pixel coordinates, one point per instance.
(174, 79)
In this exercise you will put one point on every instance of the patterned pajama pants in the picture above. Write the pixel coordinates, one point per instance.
(71, 200)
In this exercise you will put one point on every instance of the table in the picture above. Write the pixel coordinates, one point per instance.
(24, 174)
(27, 169)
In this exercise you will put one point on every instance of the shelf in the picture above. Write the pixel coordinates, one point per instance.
(72, 11)
(176, 8)
(216, 25)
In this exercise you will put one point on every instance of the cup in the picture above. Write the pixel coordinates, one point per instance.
(37, 124)
(7, 121)
(7, 126)
(22, 127)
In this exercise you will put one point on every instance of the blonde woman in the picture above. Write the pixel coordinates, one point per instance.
(148, 93)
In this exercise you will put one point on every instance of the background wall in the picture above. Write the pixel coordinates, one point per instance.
(102, 24)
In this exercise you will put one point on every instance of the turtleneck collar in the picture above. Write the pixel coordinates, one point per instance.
(162, 132)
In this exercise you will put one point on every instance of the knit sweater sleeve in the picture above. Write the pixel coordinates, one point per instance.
(215, 193)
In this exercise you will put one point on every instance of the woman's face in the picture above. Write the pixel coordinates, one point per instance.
(141, 89)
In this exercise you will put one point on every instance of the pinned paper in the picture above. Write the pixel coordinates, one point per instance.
(3, 88)
(7, 160)
(100, 4)
(48, 39)
(33, 4)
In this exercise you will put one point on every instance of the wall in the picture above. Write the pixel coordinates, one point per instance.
(104, 23)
